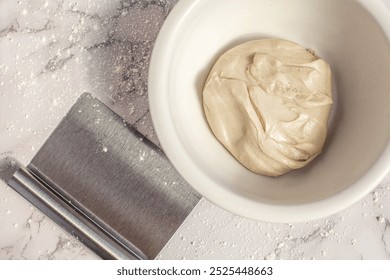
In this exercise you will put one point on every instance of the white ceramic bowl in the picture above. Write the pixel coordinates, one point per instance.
(352, 36)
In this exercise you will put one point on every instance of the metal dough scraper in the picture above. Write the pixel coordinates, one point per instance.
(106, 184)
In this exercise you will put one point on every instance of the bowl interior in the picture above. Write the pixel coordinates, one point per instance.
(344, 33)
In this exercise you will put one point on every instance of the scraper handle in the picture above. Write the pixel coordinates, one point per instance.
(106, 246)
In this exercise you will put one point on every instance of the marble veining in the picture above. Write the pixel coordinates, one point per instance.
(53, 51)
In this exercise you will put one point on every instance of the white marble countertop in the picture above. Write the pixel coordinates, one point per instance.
(50, 53)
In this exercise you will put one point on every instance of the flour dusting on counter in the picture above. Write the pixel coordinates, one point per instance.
(58, 49)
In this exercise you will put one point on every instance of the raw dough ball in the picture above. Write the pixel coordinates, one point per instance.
(268, 102)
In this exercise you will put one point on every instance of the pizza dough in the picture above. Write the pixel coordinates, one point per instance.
(268, 102)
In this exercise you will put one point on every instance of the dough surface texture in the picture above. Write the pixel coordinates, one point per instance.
(268, 102)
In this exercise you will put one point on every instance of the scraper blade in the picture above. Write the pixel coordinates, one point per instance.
(105, 183)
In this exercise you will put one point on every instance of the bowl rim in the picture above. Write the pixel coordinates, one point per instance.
(177, 154)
